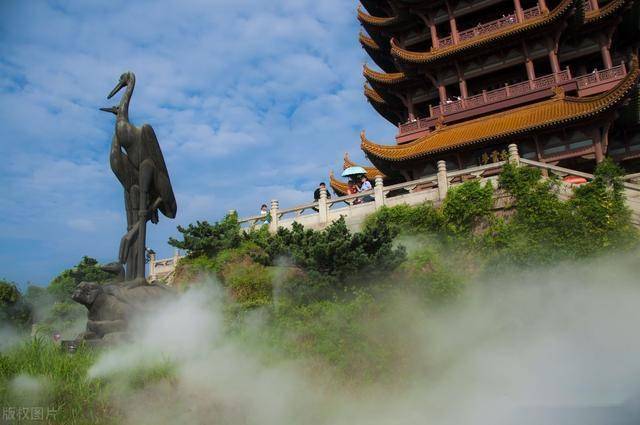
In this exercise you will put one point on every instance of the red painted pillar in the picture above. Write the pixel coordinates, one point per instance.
(553, 58)
(410, 108)
(531, 71)
(463, 88)
(464, 93)
(542, 4)
(435, 43)
(453, 24)
(528, 63)
(442, 91)
(606, 54)
(597, 146)
(519, 11)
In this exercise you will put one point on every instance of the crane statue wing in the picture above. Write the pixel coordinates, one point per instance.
(151, 149)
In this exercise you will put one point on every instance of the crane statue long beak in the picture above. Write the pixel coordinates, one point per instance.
(117, 88)
(113, 110)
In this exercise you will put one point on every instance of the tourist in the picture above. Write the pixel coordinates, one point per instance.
(365, 185)
(316, 194)
(352, 189)
(264, 211)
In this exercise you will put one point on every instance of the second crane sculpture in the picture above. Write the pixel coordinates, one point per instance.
(137, 162)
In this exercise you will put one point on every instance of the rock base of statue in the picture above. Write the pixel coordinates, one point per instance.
(111, 307)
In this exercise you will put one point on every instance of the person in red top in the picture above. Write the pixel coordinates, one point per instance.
(352, 189)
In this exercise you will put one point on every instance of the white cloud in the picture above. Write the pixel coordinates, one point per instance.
(267, 96)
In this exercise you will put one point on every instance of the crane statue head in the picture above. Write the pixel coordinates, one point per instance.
(126, 79)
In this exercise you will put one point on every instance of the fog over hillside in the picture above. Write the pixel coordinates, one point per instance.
(550, 346)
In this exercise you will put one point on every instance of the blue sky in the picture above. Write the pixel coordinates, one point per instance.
(250, 100)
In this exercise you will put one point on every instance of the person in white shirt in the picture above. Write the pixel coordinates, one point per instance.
(365, 185)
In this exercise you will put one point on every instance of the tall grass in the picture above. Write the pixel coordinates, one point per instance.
(58, 382)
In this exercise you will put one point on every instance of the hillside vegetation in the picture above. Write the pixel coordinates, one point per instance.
(331, 297)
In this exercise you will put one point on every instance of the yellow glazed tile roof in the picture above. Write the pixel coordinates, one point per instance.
(605, 11)
(341, 187)
(372, 172)
(526, 26)
(373, 95)
(555, 111)
(368, 42)
(365, 18)
(383, 77)
(338, 186)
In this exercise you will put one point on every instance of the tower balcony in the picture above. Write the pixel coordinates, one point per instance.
(488, 28)
(510, 96)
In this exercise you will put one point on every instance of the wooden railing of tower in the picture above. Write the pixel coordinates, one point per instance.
(489, 27)
(601, 75)
(503, 93)
(513, 91)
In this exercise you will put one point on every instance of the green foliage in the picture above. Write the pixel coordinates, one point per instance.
(62, 381)
(545, 229)
(463, 209)
(334, 258)
(9, 293)
(466, 204)
(250, 285)
(405, 219)
(428, 276)
(339, 335)
(600, 213)
(87, 270)
(207, 239)
(13, 309)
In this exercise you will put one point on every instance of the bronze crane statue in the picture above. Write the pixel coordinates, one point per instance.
(137, 162)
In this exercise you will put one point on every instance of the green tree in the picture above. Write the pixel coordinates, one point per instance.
(203, 238)
(87, 270)
(466, 204)
(13, 309)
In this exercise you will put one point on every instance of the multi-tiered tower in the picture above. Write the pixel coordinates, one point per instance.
(463, 79)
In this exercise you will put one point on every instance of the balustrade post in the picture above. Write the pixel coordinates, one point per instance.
(152, 265)
(176, 257)
(323, 207)
(443, 181)
(378, 192)
(273, 225)
(485, 98)
(514, 156)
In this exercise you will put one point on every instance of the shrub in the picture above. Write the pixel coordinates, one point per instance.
(13, 309)
(599, 212)
(466, 204)
(544, 229)
(87, 270)
(207, 239)
(405, 219)
(249, 284)
(428, 277)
